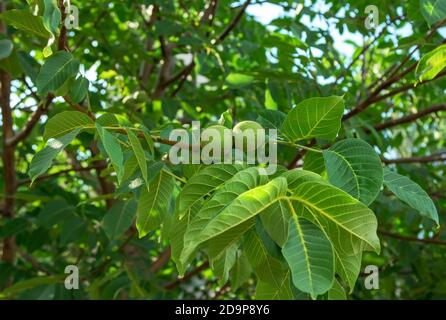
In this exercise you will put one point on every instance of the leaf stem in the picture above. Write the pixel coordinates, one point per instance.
(298, 146)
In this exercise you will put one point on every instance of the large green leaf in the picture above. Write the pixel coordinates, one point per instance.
(337, 292)
(314, 118)
(24, 20)
(353, 166)
(204, 182)
(310, 256)
(314, 162)
(113, 150)
(273, 276)
(433, 10)
(241, 271)
(139, 153)
(43, 159)
(56, 71)
(79, 89)
(348, 267)
(431, 64)
(271, 119)
(223, 263)
(411, 193)
(65, 122)
(51, 15)
(153, 204)
(119, 218)
(176, 234)
(275, 220)
(238, 80)
(235, 218)
(54, 212)
(241, 182)
(348, 223)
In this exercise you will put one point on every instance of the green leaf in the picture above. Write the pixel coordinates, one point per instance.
(270, 104)
(65, 122)
(24, 20)
(271, 119)
(223, 263)
(241, 182)
(310, 256)
(11, 65)
(149, 141)
(431, 64)
(273, 277)
(275, 220)
(54, 212)
(433, 10)
(28, 64)
(314, 162)
(56, 71)
(43, 159)
(235, 218)
(32, 283)
(353, 166)
(314, 118)
(411, 193)
(280, 289)
(72, 230)
(51, 16)
(113, 150)
(176, 234)
(204, 182)
(348, 267)
(79, 89)
(348, 223)
(153, 204)
(337, 292)
(240, 272)
(139, 153)
(239, 80)
(6, 47)
(119, 218)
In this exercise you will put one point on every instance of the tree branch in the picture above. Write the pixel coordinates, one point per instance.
(232, 24)
(438, 157)
(61, 172)
(410, 118)
(32, 121)
(409, 238)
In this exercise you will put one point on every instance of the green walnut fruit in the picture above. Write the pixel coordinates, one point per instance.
(217, 132)
(247, 129)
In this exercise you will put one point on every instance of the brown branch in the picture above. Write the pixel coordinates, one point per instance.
(392, 71)
(146, 68)
(62, 43)
(181, 74)
(375, 97)
(8, 156)
(409, 238)
(61, 172)
(300, 154)
(187, 276)
(410, 118)
(232, 24)
(364, 49)
(162, 259)
(441, 156)
(32, 121)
